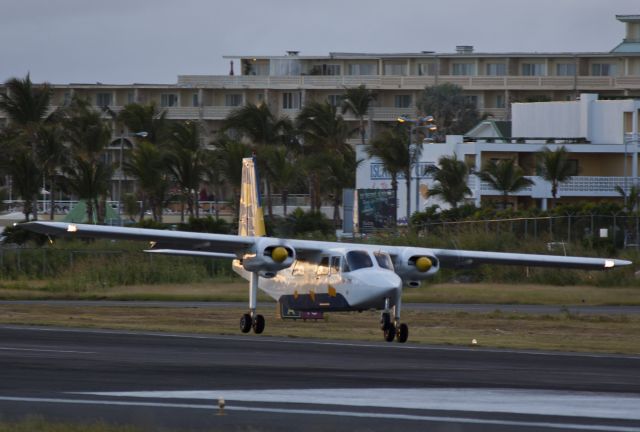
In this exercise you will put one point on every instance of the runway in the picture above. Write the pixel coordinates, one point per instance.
(174, 381)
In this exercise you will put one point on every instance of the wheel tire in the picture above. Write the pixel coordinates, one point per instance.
(390, 333)
(403, 333)
(258, 324)
(385, 321)
(245, 323)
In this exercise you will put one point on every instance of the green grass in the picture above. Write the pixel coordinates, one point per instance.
(566, 332)
(40, 424)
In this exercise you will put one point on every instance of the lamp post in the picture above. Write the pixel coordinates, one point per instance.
(428, 124)
(141, 134)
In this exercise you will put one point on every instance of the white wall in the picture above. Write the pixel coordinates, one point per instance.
(546, 119)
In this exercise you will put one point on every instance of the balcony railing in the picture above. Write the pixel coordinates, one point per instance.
(602, 186)
(412, 82)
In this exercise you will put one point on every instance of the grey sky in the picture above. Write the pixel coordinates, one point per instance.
(127, 41)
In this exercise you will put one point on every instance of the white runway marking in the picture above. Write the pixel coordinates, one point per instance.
(45, 350)
(386, 416)
(538, 402)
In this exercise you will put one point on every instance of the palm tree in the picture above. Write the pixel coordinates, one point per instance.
(145, 118)
(26, 107)
(88, 174)
(186, 161)
(285, 171)
(452, 109)
(147, 165)
(357, 100)
(390, 147)
(228, 155)
(339, 173)
(631, 199)
(505, 176)
(52, 157)
(555, 167)
(262, 128)
(323, 130)
(451, 177)
(26, 176)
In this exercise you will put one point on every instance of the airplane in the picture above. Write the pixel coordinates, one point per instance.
(313, 276)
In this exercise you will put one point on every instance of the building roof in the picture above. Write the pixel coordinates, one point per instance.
(627, 47)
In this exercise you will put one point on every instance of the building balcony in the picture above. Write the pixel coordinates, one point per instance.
(577, 186)
(395, 82)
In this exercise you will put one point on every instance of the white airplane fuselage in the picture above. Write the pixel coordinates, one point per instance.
(328, 284)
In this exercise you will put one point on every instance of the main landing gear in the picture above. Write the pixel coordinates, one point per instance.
(393, 330)
(251, 320)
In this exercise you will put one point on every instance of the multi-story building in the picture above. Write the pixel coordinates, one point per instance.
(601, 137)
(493, 81)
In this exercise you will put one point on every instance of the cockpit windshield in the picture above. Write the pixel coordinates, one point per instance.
(358, 259)
(384, 260)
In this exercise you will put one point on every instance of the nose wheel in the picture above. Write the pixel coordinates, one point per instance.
(399, 333)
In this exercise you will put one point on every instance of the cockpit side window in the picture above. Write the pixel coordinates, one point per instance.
(335, 264)
(323, 267)
(358, 260)
(384, 260)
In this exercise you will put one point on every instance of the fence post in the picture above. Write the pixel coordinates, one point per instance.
(614, 230)
(568, 227)
(526, 227)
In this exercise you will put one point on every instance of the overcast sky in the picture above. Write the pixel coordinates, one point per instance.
(153, 41)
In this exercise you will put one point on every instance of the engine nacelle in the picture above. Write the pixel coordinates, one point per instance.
(269, 256)
(414, 265)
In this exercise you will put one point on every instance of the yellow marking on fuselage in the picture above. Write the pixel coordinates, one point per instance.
(332, 291)
(295, 295)
(312, 294)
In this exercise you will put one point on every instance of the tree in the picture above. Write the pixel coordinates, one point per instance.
(357, 100)
(390, 147)
(88, 174)
(145, 118)
(454, 113)
(228, 155)
(147, 165)
(504, 176)
(285, 171)
(26, 107)
(322, 130)
(52, 157)
(555, 167)
(451, 177)
(262, 128)
(186, 161)
(630, 199)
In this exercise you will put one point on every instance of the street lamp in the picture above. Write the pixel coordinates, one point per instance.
(141, 134)
(426, 123)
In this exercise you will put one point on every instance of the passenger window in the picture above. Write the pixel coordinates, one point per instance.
(323, 267)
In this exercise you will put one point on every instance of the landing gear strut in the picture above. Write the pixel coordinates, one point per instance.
(251, 320)
(393, 330)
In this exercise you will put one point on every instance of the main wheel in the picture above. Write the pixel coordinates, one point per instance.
(390, 333)
(258, 324)
(245, 323)
(385, 321)
(403, 333)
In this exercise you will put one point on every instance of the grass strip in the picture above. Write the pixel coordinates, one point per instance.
(564, 331)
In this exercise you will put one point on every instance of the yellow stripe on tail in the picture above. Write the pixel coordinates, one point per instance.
(251, 217)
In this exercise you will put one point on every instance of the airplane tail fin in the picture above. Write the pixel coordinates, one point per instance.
(251, 220)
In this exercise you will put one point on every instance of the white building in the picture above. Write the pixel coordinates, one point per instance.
(599, 134)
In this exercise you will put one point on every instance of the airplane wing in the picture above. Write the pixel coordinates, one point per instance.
(160, 241)
(463, 258)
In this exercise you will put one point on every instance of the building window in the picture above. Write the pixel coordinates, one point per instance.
(325, 69)
(496, 69)
(500, 101)
(233, 100)
(565, 69)
(362, 69)
(402, 101)
(104, 99)
(533, 69)
(428, 69)
(573, 167)
(603, 69)
(66, 99)
(464, 69)
(168, 100)
(291, 100)
(130, 97)
(194, 100)
(395, 69)
(472, 100)
(334, 99)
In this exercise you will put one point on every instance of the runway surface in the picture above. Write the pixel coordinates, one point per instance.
(174, 381)
(427, 307)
